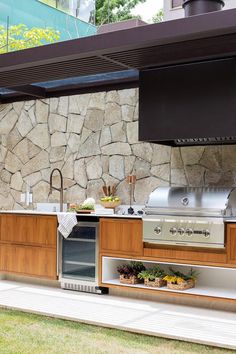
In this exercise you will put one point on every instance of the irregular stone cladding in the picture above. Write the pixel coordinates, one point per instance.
(93, 139)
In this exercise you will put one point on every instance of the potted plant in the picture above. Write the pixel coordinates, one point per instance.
(153, 277)
(129, 272)
(177, 280)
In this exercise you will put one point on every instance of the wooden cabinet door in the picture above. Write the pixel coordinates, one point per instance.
(29, 229)
(231, 243)
(123, 236)
(26, 260)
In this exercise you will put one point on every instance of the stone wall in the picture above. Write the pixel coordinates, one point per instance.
(93, 139)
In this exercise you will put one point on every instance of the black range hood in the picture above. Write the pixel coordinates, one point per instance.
(191, 104)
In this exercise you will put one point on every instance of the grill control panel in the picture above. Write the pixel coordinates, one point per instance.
(189, 231)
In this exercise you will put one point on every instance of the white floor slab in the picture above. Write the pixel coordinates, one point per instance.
(192, 324)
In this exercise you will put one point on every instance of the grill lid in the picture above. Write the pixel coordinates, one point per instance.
(192, 201)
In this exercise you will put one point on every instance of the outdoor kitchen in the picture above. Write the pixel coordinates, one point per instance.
(124, 187)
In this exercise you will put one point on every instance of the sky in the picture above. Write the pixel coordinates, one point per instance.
(148, 9)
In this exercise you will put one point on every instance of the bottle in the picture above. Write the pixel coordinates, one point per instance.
(29, 198)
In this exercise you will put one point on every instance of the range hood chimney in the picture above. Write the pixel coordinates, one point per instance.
(198, 7)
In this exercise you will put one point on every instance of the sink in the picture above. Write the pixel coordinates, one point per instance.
(50, 207)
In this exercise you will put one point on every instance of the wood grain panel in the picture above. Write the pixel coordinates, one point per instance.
(47, 230)
(18, 228)
(27, 260)
(190, 255)
(231, 243)
(8, 228)
(121, 236)
(29, 229)
(28, 245)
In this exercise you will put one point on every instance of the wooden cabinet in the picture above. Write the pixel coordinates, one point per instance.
(121, 236)
(28, 260)
(28, 245)
(231, 243)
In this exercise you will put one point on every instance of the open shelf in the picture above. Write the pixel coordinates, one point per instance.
(212, 281)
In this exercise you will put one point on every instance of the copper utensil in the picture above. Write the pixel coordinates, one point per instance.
(104, 188)
(113, 190)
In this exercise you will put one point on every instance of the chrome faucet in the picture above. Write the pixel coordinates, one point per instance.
(57, 189)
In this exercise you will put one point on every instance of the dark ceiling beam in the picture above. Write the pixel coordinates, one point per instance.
(34, 91)
(197, 38)
(69, 90)
(125, 66)
(185, 29)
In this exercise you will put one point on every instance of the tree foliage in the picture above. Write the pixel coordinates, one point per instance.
(159, 17)
(115, 10)
(21, 37)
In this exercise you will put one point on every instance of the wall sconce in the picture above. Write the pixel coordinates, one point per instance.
(131, 180)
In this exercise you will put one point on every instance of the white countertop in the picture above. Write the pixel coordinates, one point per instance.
(35, 212)
(128, 216)
(231, 220)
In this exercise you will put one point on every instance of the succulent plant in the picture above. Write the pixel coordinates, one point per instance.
(152, 273)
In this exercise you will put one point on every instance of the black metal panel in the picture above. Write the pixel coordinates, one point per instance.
(197, 38)
(184, 102)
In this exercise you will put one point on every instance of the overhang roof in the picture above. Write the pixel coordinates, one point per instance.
(79, 65)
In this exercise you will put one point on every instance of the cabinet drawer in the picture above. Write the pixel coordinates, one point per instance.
(29, 229)
(186, 255)
(33, 261)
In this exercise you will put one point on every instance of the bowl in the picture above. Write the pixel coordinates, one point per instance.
(110, 204)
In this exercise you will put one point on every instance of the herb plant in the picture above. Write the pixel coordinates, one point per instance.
(152, 273)
(131, 269)
(177, 277)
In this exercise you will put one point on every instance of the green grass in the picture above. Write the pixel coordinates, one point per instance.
(23, 333)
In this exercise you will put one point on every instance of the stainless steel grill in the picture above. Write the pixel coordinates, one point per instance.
(188, 216)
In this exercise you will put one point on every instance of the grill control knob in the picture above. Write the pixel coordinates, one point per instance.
(157, 230)
(181, 231)
(189, 232)
(206, 233)
(173, 231)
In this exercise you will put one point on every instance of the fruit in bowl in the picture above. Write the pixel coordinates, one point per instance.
(110, 202)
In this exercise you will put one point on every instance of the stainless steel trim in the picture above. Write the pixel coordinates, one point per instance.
(189, 244)
(181, 211)
(81, 263)
(82, 239)
(58, 252)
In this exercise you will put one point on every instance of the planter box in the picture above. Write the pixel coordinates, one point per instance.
(130, 280)
(183, 286)
(157, 283)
